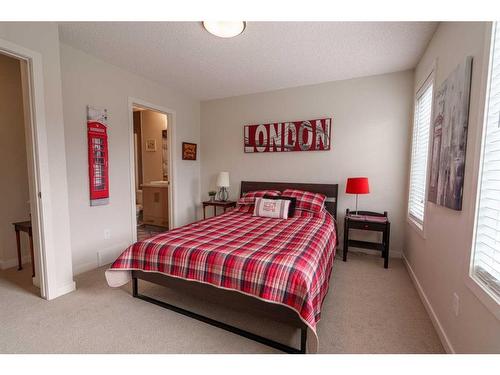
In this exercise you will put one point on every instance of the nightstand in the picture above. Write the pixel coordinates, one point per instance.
(366, 220)
(224, 204)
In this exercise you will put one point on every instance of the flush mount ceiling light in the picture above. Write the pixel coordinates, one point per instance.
(224, 29)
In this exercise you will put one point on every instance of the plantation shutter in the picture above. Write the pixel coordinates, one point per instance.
(420, 150)
(486, 261)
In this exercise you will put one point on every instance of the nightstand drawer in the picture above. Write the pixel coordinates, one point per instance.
(354, 224)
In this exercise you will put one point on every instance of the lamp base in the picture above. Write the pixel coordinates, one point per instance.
(356, 212)
(223, 194)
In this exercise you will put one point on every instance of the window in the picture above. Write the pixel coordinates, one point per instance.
(486, 257)
(419, 154)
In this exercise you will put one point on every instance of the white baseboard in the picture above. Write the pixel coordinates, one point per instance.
(110, 254)
(103, 257)
(432, 314)
(84, 267)
(5, 264)
(62, 290)
(352, 249)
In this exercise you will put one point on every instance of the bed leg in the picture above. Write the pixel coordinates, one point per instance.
(135, 287)
(303, 340)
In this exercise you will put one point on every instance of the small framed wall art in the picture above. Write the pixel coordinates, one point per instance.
(188, 151)
(151, 145)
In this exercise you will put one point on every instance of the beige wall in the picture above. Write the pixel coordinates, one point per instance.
(439, 261)
(371, 118)
(14, 188)
(43, 38)
(152, 125)
(88, 80)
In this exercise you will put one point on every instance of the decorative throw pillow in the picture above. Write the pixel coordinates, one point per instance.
(275, 208)
(249, 197)
(291, 207)
(307, 201)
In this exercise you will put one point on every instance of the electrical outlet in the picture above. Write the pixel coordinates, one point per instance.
(107, 234)
(456, 303)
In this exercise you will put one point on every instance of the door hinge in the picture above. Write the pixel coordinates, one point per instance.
(40, 195)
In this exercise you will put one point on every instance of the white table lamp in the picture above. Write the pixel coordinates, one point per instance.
(223, 184)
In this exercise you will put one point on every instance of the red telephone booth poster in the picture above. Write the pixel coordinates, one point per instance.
(98, 156)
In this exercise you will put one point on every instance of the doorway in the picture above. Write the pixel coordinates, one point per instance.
(152, 172)
(19, 245)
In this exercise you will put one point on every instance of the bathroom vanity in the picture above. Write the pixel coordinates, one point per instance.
(155, 203)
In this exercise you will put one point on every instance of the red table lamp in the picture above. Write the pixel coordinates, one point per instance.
(357, 185)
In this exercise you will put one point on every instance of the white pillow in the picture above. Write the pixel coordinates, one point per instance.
(275, 208)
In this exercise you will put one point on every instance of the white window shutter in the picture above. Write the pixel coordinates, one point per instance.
(419, 155)
(486, 257)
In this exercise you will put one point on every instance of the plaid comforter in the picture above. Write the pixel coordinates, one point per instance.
(280, 261)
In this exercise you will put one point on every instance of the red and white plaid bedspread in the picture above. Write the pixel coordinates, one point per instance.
(287, 262)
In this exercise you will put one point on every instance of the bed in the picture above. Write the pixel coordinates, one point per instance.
(285, 263)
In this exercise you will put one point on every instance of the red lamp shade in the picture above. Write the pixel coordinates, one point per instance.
(357, 185)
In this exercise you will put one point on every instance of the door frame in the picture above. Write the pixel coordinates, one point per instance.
(38, 166)
(171, 121)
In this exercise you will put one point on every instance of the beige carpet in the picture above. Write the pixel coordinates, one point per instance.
(367, 310)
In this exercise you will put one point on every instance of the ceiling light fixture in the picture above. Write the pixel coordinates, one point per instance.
(224, 29)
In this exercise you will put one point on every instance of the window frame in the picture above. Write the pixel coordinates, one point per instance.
(429, 80)
(474, 285)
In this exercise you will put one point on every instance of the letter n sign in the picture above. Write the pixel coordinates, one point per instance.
(307, 135)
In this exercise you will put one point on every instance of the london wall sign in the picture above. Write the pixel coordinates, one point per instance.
(306, 135)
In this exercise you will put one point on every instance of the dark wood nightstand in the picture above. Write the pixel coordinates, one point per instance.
(366, 220)
(224, 204)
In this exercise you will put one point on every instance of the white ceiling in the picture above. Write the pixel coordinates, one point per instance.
(267, 56)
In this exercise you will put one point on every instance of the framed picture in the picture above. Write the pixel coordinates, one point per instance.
(150, 145)
(188, 151)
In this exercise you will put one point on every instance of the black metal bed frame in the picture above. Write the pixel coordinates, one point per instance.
(330, 190)
(224, 326)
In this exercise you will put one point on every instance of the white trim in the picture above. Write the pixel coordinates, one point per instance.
(65, 289)
(38, 161)
(416, 226)
(430, 79)
(393, 254)
(171, 121)
(430, 71)
(445, 341)
(474, 286)
(483, 295)
(103, 257)
(85, 267)
(109, 254)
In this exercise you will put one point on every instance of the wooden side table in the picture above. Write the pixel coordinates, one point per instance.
(224, 204)
(366, 220)
(24, 226)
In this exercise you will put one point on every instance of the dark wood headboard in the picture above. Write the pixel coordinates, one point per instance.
(330, 190)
